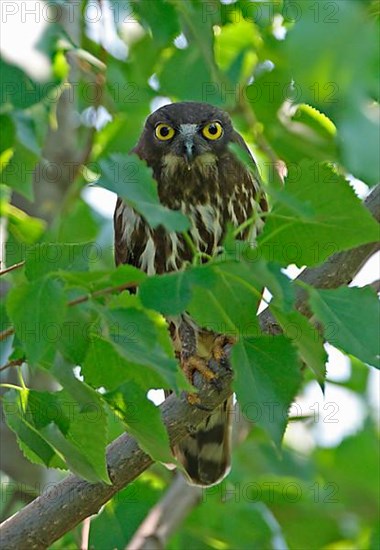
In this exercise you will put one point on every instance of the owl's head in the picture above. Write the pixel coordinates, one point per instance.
(185, 133)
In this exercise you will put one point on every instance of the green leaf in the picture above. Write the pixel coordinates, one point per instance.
(190, 73)
(230, 518)
(52, 427)
(263, 274)
(168, 294)
(80, 450)
(109, 528)
(98, 280)
(26, 132)
(334, 67)
(188, 77)
(234, 39)
(8, 132)
(267, 379)
(315, 121)
(336, 72)
(22, 227)
(17, 88)
(22, 409)
(143, 420)
(232, 299)
(161, 17)
(350, 317)
(18, 172)
(106, 366)
(45, 258)
(75, 338)
(359, 154)
(307, 339)
(340, 220)
(84, 408)
(138, 345)
(37, 311)
(79, 225)
(138, 336)
(231, 290)
(130, 178)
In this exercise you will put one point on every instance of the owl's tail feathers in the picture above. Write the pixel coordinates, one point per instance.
(206, 454)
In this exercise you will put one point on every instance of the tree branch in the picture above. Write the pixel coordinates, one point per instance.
(64, 506)
(165, 516)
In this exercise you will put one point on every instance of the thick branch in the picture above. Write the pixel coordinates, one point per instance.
(166, 515)
(60, 509)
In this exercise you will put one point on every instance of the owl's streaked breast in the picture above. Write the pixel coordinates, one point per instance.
(210, 197)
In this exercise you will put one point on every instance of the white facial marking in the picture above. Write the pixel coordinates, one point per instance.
(187, 130)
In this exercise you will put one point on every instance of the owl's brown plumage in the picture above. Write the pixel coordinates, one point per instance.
(186, 145)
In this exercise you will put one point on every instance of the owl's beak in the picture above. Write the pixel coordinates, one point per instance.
(187, 133)
(188, 151)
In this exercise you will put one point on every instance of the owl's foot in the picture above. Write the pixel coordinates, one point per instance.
(195, 364)
(194, 400)
(196, 367)
(221, 347)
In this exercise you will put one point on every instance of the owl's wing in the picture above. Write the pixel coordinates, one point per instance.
(130, 235)
(122, 254)
(251, 174)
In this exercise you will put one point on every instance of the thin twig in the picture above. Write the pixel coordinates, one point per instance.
(5, 333)
(85, 533)
(13, 363)
(102, 292)
(12, 268)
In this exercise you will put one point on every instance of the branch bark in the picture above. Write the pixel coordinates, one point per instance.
(165, 516)
(65, 505)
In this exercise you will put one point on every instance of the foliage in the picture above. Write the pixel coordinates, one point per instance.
(299, 81)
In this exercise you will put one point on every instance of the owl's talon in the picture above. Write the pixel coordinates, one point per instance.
(221, 347)
(193, 364)
(193, 399)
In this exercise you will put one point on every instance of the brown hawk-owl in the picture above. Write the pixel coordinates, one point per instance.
(187, 146)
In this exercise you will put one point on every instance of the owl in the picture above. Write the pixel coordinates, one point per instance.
(187, 146)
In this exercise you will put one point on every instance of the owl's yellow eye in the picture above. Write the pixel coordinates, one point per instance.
(213, 130)
(164, 132)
